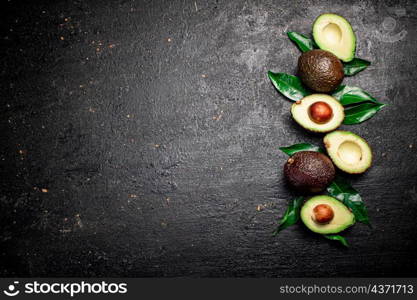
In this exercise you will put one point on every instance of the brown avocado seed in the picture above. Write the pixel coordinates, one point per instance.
(323, 213)
(320, 112)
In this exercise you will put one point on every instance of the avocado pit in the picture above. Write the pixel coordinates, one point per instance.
(349, 152)
(323, 213)
(320, 112)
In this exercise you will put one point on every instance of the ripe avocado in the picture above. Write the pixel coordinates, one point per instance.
(349, 152)
(320, 70)
(318, 113)
(334, 33)
(326, 215)
(309, 171)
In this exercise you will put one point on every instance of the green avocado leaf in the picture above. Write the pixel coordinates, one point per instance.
(355, 66)
(359, 105)
(303, 43)
(358, 114)
(288, 85)
(348, 95)
(336, 237)
(291, 216)
(291, 150)
(344, 192)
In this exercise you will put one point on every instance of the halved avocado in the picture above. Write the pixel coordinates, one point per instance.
(326, 215)
(334, 33)
(318, 113)
(348, 151)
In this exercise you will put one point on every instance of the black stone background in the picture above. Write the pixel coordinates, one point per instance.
(140, 138)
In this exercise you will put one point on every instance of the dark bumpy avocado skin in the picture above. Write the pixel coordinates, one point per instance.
(320, 70)
(309, 171)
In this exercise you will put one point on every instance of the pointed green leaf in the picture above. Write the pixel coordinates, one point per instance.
(288, 85)
(348, 95)
(336, 237)
(358, 114)
(291, 216)
(355, 66)
(344, 192)
(303, 43)
(290, 150)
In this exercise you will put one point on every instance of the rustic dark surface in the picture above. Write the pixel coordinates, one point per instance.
(141, 139)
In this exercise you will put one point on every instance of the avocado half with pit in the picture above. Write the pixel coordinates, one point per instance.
(334, 33)
(325, 215)
(318, 113)
(348, 151)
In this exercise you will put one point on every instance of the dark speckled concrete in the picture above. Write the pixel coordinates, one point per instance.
(140, 138)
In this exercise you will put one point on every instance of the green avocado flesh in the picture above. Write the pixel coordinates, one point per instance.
(320, 70)
(334, 33)
(300, 113)
(348, 151)
(342, 217)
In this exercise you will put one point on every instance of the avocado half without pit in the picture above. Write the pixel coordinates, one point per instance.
(325, 215)
(309, 171)
(318, 113)
(334, 33)
(320, 70)
(348, 151)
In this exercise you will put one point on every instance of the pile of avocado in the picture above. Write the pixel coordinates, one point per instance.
(321, 70)
(311, 172)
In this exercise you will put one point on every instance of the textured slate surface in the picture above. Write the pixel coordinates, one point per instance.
(141, 139)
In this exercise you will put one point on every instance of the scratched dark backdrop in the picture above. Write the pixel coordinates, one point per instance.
(140, 138)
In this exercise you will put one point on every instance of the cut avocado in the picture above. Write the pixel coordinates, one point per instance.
(309, 171)
(334, 33)
(318, 113)
(320, 70)
(348, 151)
(325, 215)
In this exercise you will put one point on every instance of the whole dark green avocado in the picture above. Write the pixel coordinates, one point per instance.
(320, 70)
(309, 171)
